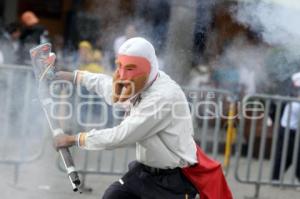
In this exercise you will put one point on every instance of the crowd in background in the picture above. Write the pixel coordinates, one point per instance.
(17, 38)
(226, 55)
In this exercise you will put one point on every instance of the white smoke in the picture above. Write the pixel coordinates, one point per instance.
(248, 59)
(278, 22)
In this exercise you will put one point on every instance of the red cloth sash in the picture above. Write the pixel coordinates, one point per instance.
(208, 178)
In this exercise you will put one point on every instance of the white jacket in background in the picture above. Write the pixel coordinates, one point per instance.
(294, 117)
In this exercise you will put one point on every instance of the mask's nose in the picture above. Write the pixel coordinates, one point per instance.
(122, 74)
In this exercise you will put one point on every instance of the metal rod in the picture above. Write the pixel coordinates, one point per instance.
(204, 125)
(251, 143)
(257, 189)
(296, 152)
(7, 108)
(275, 137)
(217, 127)
(263, 139)
(285, 144)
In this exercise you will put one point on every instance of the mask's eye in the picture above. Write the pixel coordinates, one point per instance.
(130, 67)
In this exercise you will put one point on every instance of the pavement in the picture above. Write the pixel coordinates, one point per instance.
(43, 179)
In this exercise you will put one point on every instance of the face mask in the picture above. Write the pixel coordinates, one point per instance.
(131, 67)
(130, 77)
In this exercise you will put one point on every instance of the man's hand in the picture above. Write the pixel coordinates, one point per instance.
(63, 140)
(64, 75)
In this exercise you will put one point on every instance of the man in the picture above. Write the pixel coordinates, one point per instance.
(9, 42)
(158, 121)
(290, 120)
(33, 33)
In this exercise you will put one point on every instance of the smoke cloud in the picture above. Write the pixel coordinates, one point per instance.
(277, 22)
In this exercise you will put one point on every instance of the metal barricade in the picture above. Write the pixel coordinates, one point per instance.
(213, 112)
(209, 107)
(264, 143)
(22, 131)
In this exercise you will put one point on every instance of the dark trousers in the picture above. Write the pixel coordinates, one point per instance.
(290, 152)
(141, 182)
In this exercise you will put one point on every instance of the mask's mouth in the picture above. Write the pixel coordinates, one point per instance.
(125, 85)
(122, 90)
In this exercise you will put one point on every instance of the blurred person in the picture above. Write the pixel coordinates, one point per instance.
(89, 59)
(225, 75)
(168, 159)
(279, 67)
(9, 42)
(33, 33)
(66, 59)
(199, 76)
(58, 48)
(97, 60)
(240, 67)
(294, 110)
(13, 31)
(84, 53)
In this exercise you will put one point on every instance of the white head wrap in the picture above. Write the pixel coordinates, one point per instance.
(139, 46)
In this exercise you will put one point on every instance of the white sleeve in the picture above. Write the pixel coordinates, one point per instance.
(149, 118)
(98, 83)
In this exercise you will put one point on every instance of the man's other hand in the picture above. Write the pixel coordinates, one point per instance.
(63, 140)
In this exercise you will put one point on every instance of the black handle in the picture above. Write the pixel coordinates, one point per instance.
(69, 165)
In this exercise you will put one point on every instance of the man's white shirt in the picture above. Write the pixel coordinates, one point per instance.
(160, 124)
(294, 117)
